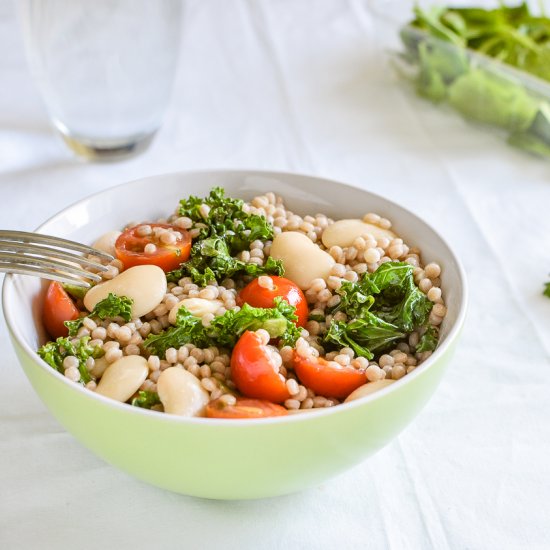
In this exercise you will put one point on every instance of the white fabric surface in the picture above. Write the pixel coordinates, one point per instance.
(303, 85)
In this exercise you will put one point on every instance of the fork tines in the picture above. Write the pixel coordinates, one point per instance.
(51, 258)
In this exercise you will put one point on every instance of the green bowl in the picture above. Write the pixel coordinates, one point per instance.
(231, 459)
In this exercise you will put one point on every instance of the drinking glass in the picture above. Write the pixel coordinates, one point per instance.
(105, 69)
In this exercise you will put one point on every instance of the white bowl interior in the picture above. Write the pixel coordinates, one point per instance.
(155, 197)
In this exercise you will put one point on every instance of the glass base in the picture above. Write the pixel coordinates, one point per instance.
(107, 151)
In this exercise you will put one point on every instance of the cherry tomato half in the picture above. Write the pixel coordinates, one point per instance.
(328, 378)
(244, 408)
(254, 372)
(58, 308)
(258, 296)
(130, 248)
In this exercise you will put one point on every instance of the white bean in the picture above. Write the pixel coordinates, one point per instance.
(106, 243)
(181, 393)
(144, 284)
(367, 389)
(344, 232)
(198, 307)
(302, 259)
(123, 378)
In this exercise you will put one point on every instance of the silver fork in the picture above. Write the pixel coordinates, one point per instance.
(49, 257)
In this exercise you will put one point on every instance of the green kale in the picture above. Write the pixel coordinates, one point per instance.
(146, 399)
(428, 341)
(211, 260)
(364, 336)
(279, 321)
(382, 308)
(187, 330)
(546, 290)
(112, 306)
(226, 217)
(225, 230)
(55, 352)
(226, 329)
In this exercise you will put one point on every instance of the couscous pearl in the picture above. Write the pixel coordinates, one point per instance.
(398, 371)
(432, 270)
(112, 355)
(343, 360)
(385, 360)
(425, 285)
(374, 373)
(372, 255)
(72, 373)
(131, 349)
(70, 361)
(434, 294)
(99, 333)
(171, 355)
(149, 248)
(123, 334)
(371, 217)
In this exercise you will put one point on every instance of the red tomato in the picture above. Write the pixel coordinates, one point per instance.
(254, 372)
(58, 308)
(327, 377)
(244, 408)
(130, 247)
(258, 296)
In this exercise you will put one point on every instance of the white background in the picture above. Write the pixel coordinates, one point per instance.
(303, 85)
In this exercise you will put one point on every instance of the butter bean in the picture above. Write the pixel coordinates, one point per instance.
(367, 389)
(144, 284)
(123, 378)
(198, 307)
(344, 232)
(302, 259)
(106, 242)
(181, 393)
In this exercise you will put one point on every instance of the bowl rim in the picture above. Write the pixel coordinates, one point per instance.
(242, 423)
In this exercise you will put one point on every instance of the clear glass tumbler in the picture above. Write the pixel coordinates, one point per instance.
(105, 69)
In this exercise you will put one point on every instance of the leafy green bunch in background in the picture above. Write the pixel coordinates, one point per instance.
(437, 40)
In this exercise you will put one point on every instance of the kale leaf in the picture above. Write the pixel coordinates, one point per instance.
(226, 329)
(55, 352)
(226, 229)
(382, 308)
(112, 306)
(211, 260)
(146, 399)
(546, 290)
(428, 341)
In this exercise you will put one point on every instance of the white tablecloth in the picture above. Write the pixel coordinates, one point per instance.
(303, 85)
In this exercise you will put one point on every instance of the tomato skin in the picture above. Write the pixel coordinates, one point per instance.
(129, 249)
(254, 373)
(58, 308)
(325, 378)
(258, 296)
(244, 408)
